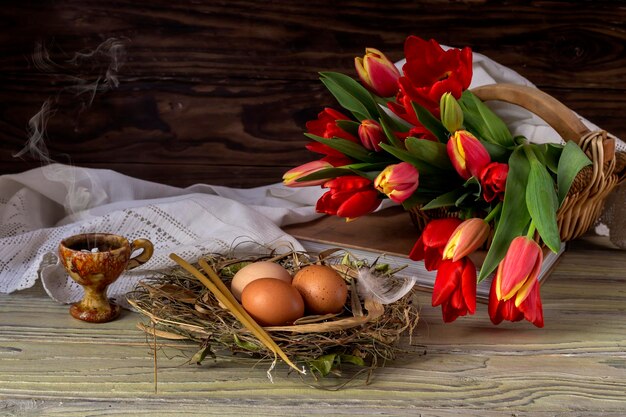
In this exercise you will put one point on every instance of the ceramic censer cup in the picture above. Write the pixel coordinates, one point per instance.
(96, 260)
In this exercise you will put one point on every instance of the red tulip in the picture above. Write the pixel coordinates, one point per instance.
(518, 271)
(371, 134)
(429, 247)
(326, 126)
(455, 289)
(467, 154)
(530, 309)
(468, 236)
(350, 196)
(430, 72)
(377, 73)
(397, 181)
(493, 181)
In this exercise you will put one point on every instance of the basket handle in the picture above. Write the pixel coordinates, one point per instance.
(552, 111)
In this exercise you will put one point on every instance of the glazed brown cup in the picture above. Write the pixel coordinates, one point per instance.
(96, 260)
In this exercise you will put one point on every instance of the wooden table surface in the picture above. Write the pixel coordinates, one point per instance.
(52, 364)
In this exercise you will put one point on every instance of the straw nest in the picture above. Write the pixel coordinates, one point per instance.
(366, 333)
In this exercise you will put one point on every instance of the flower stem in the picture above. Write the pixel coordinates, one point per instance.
(493, 212)
(531, 230)
(530, 154)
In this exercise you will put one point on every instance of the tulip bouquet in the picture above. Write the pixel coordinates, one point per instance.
(423, 140)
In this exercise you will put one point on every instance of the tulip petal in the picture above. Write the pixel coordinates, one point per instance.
(437, 232)
(432, 258)
(446, 282)
(449, 313)
(525, 290)
(417, 252)
(359, 204)
(468, 285)
(494, 304)
(532, 308)
(456, 299)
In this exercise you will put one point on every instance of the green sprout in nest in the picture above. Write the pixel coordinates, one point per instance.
(180, 307)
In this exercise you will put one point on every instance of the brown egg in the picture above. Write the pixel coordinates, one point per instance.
(323, 289)
(256, 270)
(272, 302)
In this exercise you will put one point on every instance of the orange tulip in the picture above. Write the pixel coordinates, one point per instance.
(518, 271)
(468, 236)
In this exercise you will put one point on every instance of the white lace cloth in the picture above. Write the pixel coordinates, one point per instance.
(40, 207)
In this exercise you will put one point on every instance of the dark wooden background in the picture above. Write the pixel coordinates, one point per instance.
(219, 91)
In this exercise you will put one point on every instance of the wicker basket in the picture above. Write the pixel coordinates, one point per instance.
(584, 202)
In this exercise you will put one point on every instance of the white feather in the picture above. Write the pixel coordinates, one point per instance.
(383, 287)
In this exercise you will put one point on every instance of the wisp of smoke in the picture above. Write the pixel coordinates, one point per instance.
(36, 144)
(83, 76)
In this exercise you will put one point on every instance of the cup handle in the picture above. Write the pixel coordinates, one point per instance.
(145, 254)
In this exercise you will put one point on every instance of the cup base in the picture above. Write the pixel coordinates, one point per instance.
(101, 314)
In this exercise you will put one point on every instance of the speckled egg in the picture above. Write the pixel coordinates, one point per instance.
(272, 302)
(322, 288)
(254, 271)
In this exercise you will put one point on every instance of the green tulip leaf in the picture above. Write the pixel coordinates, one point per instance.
(422, 167)
(445, 200)
(572, 160)
(346, 147)
(548, 154)
(474, 188)
(393, 121)
(514, 217)
(349, 126)
(351, 95)
(498, 153)
(431, 123)
(553, 154)
(427, 150)
(541, 201)
(389, 133)
(481, 119)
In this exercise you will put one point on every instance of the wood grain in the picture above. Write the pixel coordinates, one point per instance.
(219, 92)
(575, 366)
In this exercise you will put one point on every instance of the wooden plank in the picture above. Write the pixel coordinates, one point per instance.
(213, 85)
(574, 366)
